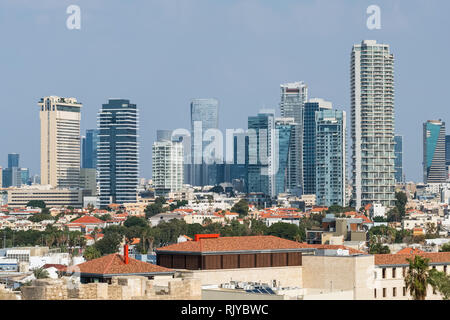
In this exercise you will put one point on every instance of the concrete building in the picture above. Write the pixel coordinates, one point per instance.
(167, 166)
(330, 158)
(372, 107)
(118, 156)
(293, 98)
(88, 181)
(60, 141)
(434, 169)
(399, 175)
(18, 198)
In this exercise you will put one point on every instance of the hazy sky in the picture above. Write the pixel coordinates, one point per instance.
(162, 53)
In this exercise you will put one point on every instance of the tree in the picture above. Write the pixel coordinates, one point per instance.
(445, 247)
(40, 273)
(91, 253)
(216, 189)
(36, 204)
(109, 243)
(400, 202)
(378, 248)
(135, 221)
(40, 217)
(417, 277)
(284, 230)
(241, 207)
(440, 281)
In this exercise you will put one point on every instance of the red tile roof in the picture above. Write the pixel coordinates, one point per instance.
(87, 220)
(59, 267)
(245, 243)
(410, 251)
(114, 264)
(399, 259)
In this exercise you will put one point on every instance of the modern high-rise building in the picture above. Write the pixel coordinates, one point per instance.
(60, 141)
(372, 107)
(89, 145)
(269, 140)
(434, 170)
(447, 155)
(167, 164)
(399, 177)
(330, 158)
(309, 142)
(204, 116)
(117, 152)
(293, 97)
(13, 160)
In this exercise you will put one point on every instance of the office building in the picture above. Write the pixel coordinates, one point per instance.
(60, 141)
(330, 158)
(399, 177)
(372, 108)
(167, 164)
(12, 176)
(117, 152)
(293, 97)
(89, 145)
(309, 142)
(13, 160)
(204, 117)
(434, 170)
(88, 181)
(447, 155)
(61, 197)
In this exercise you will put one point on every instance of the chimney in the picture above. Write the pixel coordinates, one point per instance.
(125, 253)
(197, 237)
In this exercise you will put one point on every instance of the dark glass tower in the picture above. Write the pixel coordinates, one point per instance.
(118, 159)
(89, 146)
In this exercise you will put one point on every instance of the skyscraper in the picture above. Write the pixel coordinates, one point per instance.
(447, 155)
(269, 140)
(167, 164)
(309, 143)
(330, 158)
(89, 145)
(399, 159)
(118, 160)
(60, 141)
(434, 170)
(372, 107)
(13, 160)
(293, 97)
(204, 116)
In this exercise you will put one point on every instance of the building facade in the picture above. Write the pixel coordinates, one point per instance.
(293, 98)
(330, 158)
(167, 165)
(309, 143)
(204, 117)
(434, 170)
(372, 107)
(89, 145)
(118, 158)
(399, 176)
(60, 141)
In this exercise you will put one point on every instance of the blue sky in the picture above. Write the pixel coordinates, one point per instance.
(162, 53)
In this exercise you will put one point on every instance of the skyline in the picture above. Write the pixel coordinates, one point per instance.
(244, 80)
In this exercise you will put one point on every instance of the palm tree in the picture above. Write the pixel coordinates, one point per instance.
(40, 273)
(418, 277)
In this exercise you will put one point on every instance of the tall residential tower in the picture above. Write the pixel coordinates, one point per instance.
(372, 108)
(434, 170)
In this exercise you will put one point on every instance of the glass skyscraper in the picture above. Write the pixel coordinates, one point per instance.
(12, 176)
(89, 145)
(204, 116)
(399, 159)
(372, 119)
(309, 143)
(13, 160)
(118, 159)
(447, 154)
(293, 98)
(330, 158)
(434, 170)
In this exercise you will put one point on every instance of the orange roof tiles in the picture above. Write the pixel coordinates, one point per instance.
(87, 220)
(114, 264)
(400, 259)
(410, 251)
(244, 243)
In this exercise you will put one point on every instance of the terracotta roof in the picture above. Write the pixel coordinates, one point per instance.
(87, 220)
(245, 243)
(410, 251)
(114, 264)
(59, 267)
(400, 259)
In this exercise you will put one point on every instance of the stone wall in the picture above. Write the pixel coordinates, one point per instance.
(121, 288)
(6, 294)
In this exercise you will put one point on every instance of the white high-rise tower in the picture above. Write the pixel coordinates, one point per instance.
(60, 141)
(372, 107)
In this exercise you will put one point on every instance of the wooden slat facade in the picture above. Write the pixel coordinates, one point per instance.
(229, 261)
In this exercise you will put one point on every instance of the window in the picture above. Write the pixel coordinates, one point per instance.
(394, 292)
(384, 273)
(445, 269)
(394, 272)
(384, 292)
(404, 272)
(375, 293)
(404, 291)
